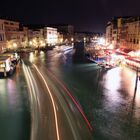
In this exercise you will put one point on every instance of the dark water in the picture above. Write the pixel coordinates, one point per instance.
(14, 108)
(105, 96)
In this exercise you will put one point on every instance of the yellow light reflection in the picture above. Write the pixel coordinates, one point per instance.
(129, 80)
(31, 57)
(119, 84)
(112, 81)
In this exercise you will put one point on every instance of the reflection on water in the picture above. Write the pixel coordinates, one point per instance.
(8, 94)
(11, 93)
(129, 80)
(119, 85)
(31, 57)
(14, 109)
(2, 86)
(114, 113)
(112, 84)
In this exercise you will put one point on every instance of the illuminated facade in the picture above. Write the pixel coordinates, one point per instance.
(36, 38)
(15, 35)
(133, 34)
(2, 37)
(51, 35)
(66, 30)
(60, 38)
(24, 39)
(112, 34)
(124, 32)
(35, 33)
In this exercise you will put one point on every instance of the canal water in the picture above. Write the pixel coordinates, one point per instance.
(107, 97)
(14, 108)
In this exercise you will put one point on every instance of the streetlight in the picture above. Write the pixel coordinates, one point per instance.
(101, 41)
(84, 39)
(61, 40)
(14, 45)
(72, 39)
(31, 43)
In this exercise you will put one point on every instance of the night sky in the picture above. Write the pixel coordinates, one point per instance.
(85, 15)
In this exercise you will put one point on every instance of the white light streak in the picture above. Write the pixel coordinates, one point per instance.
(52, 99)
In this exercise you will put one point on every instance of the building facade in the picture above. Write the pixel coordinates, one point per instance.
(15, 34)
(66, 30)
(12, 34)
(2, 37)
(51, 35)
(112, 33)
(25, 39)
(36, 38)
(133, 34)
(124, 32)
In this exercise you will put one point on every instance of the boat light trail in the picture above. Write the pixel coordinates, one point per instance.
(72, 98)
(52, 100)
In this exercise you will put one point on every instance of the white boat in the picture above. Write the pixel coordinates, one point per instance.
(6, 66)
(63, 48)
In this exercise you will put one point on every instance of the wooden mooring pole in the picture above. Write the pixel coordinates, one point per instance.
(136, 83)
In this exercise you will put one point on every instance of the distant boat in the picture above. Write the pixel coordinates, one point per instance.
(6, 66)
(63, 48)
(66, 48)
(105, 66)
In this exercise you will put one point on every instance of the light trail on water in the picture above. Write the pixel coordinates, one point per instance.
(71, 97)
(33, 98)
(53, 103)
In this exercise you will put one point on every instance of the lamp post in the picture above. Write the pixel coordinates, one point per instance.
(72, 39)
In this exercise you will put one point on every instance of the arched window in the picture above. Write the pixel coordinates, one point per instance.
(134, 41)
